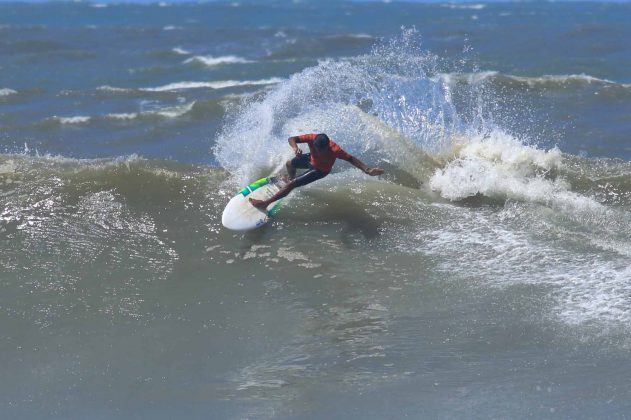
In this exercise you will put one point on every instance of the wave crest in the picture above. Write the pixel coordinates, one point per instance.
(499, 166)
(210, 61)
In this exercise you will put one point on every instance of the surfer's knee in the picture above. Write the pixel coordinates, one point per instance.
(290, 166)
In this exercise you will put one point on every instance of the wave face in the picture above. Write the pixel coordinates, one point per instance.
(396, 107)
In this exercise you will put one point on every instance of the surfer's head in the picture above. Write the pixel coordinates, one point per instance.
(321, 142)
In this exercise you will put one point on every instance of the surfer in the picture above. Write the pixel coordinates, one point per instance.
(320, 160)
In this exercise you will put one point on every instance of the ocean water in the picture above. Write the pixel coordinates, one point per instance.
(487, 274)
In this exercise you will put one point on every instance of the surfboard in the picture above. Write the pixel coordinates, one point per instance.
(240, 215)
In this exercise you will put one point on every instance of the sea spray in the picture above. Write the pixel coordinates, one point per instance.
(393, 83)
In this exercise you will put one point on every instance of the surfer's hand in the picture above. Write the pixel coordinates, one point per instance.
(298, 151)
(374, 171)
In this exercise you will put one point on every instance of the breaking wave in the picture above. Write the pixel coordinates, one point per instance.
(433, 128)
(562, 81)
(210, 61)
(7, 92)
(178, 86)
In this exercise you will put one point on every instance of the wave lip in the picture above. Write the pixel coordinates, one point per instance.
(78, 119)
(7, 92)
(168, 112)
(212, 85)
(361, 35)
(478, 6)
(173, 112)
(180, 51)
(211, 61)
(563, 78)
(350, 37)
(107, 88)
(558, 80)
(56, 121)
(123, 116)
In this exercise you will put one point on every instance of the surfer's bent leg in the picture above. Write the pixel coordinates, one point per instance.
(300, 161)
(304, 179)
(309, 176)
(291, 169)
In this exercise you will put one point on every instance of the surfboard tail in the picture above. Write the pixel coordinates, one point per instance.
(275, 208)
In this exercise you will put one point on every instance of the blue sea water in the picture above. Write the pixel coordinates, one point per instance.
(486, 274)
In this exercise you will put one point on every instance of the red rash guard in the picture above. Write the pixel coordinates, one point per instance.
(323, 161)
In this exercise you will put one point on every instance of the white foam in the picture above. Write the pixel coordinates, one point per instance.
(562, 78)
(180, 51)
(168, 112)
(172, 28)
(478, 6)
(211, 61)
(123, 116)
(483, 76)
(595, 291)
(180, 86)
(173, 112)
(491, 249)
(8, 167)
(7, 92)
(470, 78)
(361, 36)
(212, 85)
(108, 88)
(549, 236)
(502, 167)
(79, 119)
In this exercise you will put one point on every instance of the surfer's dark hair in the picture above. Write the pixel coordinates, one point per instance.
(321, 141)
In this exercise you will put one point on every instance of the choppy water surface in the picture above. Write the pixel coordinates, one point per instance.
(487, 274)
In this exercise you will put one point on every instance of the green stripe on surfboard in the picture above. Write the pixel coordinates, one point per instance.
(254, 186)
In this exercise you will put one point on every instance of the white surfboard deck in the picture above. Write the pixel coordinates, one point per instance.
(240, 215)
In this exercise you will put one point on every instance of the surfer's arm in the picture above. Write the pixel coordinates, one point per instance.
(363, 167)
(293, 142)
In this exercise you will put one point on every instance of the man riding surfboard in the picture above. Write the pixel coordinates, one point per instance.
(320, 160)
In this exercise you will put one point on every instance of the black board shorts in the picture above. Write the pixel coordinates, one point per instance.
(303, 162)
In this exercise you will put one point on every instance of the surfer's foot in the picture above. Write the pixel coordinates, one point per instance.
(259, 204)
